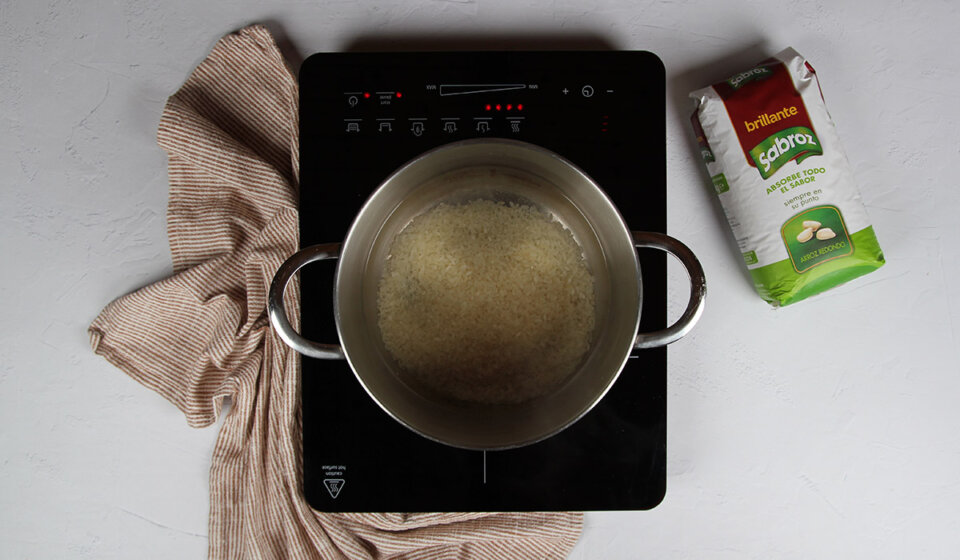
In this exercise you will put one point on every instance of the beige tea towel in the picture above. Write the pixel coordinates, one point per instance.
(202, 335)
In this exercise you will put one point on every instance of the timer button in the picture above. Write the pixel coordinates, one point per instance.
(587, 91)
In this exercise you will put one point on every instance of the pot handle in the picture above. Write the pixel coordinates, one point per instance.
(278, 315)
(698, 289)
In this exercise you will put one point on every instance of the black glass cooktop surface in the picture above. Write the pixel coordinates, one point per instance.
(362, 115)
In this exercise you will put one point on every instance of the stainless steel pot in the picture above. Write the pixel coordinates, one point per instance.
(494, 169)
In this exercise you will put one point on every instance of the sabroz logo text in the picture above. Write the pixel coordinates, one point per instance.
(784, 144)
(794, 143)
(737, 81)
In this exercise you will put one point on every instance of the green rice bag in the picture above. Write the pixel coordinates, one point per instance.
(776, 163)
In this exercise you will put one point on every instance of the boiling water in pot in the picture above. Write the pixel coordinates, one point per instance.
(486, 301)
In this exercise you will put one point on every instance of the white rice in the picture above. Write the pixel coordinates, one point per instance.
(486, 302)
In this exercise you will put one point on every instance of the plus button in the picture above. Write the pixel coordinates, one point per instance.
(565, 91)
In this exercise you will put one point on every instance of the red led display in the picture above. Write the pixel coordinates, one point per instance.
(501, 107)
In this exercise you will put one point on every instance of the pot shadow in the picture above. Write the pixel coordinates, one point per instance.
(679, 86)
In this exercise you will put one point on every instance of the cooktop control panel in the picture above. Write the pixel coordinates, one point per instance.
(452, 111)
(425, 99)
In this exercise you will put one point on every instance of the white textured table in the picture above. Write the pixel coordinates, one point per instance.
(826, 430)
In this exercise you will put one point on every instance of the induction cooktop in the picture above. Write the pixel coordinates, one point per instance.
(362, 116)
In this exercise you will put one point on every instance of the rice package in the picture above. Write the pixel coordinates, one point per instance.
(775, 159)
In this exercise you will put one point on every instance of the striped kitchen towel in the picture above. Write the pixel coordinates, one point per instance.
(202, 336)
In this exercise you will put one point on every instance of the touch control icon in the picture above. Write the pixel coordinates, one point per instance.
(587, 91)
(352, 101)
(417, 128)
(483, 126)
(450, 127)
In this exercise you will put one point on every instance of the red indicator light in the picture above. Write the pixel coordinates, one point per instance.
(366, 95)
(509, 106)
(399, 95)
(498, 107)
(519, 106)
(487, 107)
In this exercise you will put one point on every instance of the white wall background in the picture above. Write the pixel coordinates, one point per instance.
(826, 430)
